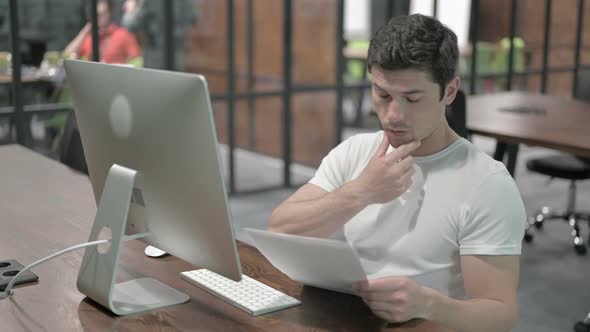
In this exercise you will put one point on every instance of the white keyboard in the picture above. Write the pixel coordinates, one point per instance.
(248, 294)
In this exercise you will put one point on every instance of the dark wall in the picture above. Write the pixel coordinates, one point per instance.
(381, 10)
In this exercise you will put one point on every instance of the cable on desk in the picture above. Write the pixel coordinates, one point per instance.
(8, 291)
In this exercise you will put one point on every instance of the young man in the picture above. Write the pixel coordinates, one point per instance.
(436, 222)
(117, 45)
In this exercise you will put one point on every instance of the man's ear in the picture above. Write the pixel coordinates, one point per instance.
(451, 90)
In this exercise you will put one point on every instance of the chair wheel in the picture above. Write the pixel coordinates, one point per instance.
(581, 327)
(580, 249)
(528, 237)
(538, 224)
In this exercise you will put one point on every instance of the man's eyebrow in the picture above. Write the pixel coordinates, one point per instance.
(408, 92)
(411, 92)
(378, 87)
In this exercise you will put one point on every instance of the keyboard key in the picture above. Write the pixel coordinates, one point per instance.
(248, 294)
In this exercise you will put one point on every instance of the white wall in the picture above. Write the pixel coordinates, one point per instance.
(452, 13)
(356, 19)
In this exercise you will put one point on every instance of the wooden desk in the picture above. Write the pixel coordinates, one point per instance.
(39, 85)
(539, 120)
(45, 206)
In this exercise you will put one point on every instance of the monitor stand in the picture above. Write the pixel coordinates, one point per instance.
(98, 271)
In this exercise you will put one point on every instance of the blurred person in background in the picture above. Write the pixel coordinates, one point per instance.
(117, 45)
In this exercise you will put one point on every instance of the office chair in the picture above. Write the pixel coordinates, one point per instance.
(566, 167)
(456, 114)
(71, 152)
(583, 326)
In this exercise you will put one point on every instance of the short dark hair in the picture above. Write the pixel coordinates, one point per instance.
(416, 42)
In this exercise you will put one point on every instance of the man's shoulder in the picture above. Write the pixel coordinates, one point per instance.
(471, 169)
(490, 165)
(479, 161)
(364, 141)
(362, 144)
(86, 46)
(365, 137)
(488, 174)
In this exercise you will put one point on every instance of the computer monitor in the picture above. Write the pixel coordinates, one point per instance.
(160, 124)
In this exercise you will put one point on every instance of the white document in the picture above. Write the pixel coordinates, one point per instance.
(323, 263)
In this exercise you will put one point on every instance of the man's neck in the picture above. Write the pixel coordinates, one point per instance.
(438, 141)
(106, 30)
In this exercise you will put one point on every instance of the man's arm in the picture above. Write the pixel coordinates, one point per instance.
(490, 283)
(312, 211)
(74, 45)
(132, 48)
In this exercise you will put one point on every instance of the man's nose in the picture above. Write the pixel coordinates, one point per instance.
(395, 111)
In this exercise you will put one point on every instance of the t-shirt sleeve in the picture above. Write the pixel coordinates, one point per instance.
(132, 46)
(494, 218)
(85, 48)
(332, 171)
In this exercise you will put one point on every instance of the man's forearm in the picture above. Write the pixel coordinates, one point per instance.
(480, 315)
(74, 46)
(318, 217)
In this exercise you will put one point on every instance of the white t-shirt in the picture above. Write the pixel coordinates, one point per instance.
(461, 202)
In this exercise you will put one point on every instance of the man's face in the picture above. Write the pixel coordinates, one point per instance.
(103, 14)
(408, 104)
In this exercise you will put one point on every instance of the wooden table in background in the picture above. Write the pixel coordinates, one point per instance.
(7, 79)
(534, 119)
(45, 207)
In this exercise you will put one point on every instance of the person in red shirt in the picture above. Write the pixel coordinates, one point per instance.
(117, 45)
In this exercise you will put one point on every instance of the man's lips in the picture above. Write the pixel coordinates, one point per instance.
(397, 131)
